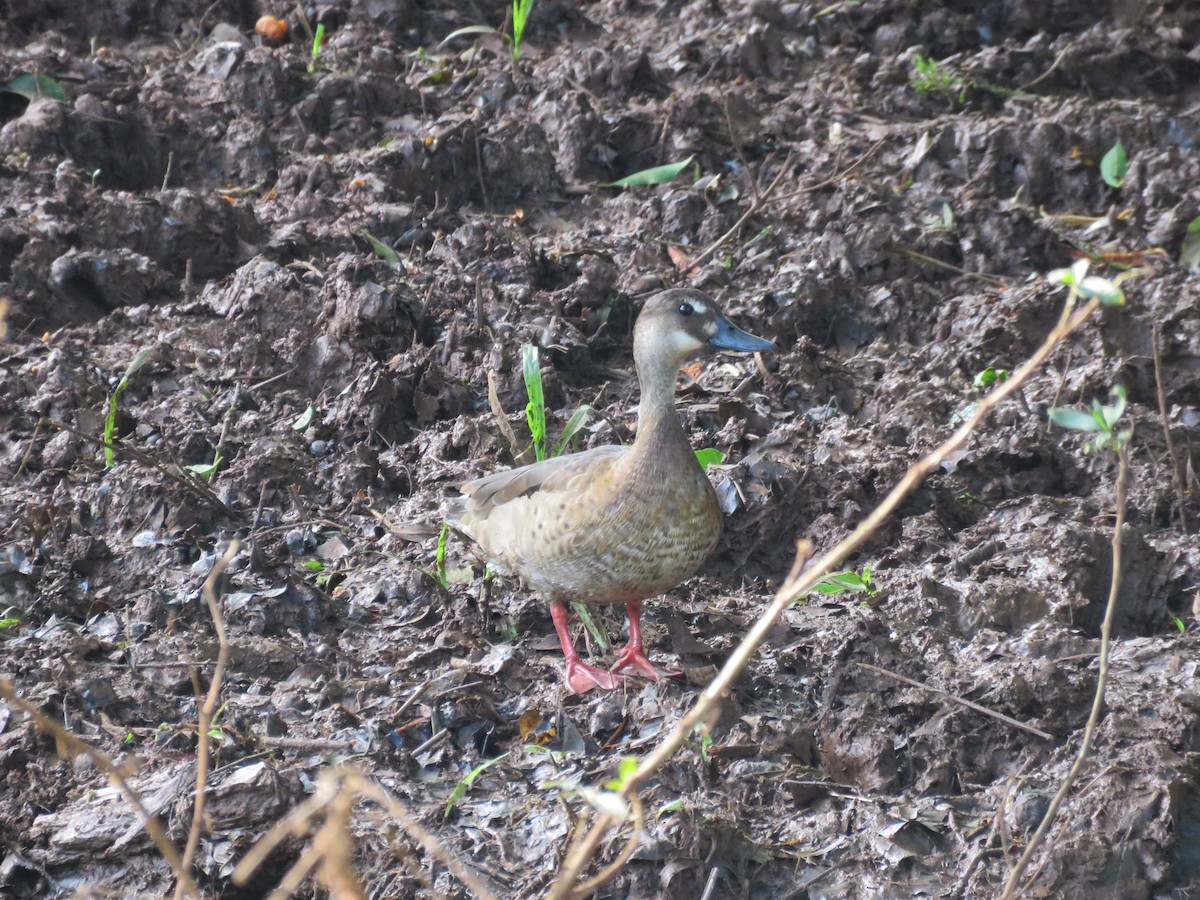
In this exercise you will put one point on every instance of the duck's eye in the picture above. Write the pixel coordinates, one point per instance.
(685, 309)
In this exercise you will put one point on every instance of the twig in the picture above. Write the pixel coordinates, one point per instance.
(1007, 720)
(799, 583)
(990, 279)
(610, 871)
(335, 792)
(209, 708)
(68, 742)
(1176, 471)
(1089, 731)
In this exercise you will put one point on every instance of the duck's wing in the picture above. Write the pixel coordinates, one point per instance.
(483, 495)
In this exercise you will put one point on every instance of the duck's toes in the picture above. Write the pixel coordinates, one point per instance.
(633, 658)
(581, 678)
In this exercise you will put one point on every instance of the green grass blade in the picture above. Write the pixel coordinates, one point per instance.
(576, 422)
(535, 409)
(589, 622)
(463, 786)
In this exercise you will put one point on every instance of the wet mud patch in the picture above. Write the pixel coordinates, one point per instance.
(218, 203)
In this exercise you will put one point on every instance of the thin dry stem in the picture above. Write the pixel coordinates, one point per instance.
(1011, 887)
(70, 743)
(208, 709)
(799, 584)
(962, 701)
(1176, 469)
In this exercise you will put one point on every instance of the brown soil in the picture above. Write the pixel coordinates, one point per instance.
(209, 199)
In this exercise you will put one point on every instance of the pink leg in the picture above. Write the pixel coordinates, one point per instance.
(632, 656)
(580, 677)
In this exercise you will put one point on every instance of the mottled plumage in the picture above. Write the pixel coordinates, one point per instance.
(613, 524)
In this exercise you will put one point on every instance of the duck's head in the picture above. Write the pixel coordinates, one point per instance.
(676, 323)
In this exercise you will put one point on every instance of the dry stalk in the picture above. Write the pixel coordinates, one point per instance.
(69, 743)
(799, 583)
(332, 843)
(1011, 887)
(1176, 469)
(962, 701)
(208, 709)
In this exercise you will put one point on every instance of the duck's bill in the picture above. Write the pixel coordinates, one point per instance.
(730, 337)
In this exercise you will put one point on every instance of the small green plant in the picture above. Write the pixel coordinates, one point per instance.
(36, 87)
(94, 175)
(989, 377)
(841, 582)
(626, 766)
(1114, 165)
(9, 622)
(317, 44)
(110, 421)
(1100, 420)
(535, 409)
(1178, 622)
(929, 77)
(460, 789)
(382, 250)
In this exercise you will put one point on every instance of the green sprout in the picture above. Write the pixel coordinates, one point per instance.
(110, 421)
(928, 77)
(520, 13)
(1114, 165)
(1100, 420)
(206, 471)
(460, 789)
(317, 44)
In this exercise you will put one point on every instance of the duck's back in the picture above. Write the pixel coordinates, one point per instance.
(608, 525)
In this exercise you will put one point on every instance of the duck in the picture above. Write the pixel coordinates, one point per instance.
(613, 524)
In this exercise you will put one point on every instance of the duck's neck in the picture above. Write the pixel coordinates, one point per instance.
(658, 422)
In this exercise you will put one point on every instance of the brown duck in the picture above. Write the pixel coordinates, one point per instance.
(613, 524)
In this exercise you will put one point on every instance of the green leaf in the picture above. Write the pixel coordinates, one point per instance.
(463, 786)
(314, 565)
(709, 456)
(305, 418)
(1108, 292)
(577, 420)
(1075, 419)
(990, 376)
(1111, 412)
(35, 87)
(669, 807)
(382, 250)
(206, 470)
(1114, 166)
(656, 175)
(1189, 251)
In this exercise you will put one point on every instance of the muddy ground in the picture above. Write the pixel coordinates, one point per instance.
(208, 199)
